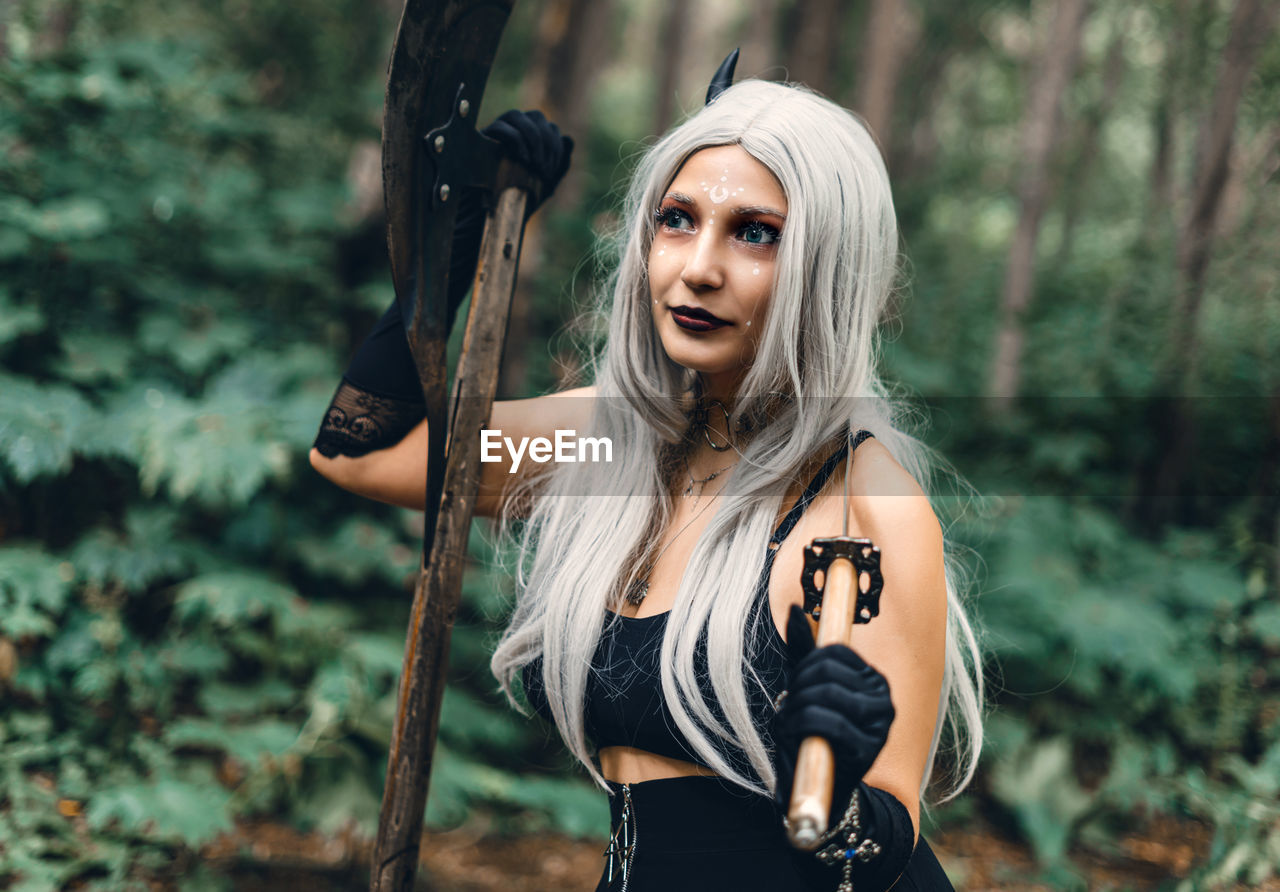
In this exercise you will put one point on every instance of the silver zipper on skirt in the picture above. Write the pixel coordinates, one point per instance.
(622, 843)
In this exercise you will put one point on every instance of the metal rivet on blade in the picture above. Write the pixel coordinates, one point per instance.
(439, 143)
(444, 192)
(464, 108)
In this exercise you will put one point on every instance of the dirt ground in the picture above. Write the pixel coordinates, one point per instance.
(260, 857)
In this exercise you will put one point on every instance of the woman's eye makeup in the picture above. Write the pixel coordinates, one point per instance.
(672, 218)
(757, 232)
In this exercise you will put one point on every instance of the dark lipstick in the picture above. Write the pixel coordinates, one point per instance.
(696, 319)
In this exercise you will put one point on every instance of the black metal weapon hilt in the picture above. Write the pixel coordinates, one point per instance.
(865, 558)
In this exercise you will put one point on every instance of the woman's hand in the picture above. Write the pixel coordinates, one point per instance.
(831, 693)
(527, 137)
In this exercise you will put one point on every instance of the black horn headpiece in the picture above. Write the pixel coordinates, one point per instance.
(723, 78)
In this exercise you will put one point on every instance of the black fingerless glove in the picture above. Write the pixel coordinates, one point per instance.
(832, 693)
(379, 398)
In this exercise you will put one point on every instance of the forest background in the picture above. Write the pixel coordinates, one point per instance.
(198, 634)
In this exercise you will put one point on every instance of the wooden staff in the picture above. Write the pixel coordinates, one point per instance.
(431, 154)
(838, 605)
(436, 597)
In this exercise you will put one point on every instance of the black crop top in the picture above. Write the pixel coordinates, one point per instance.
(624, 701)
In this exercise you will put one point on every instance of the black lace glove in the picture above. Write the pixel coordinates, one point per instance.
(380, 399)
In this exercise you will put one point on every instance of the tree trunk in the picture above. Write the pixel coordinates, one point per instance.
(915, 153)
(1251, 23)
(760, 41)
(891, 32)
(929, 79)
(812, 54)
(1090, 137)
(568, 55)
(573, 47)
(1039, 134)
(1186, 60)
(1245, 191)
(1162, 160)
(673, 52)
(542, 89)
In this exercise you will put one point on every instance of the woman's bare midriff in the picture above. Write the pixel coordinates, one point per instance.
(628, 765)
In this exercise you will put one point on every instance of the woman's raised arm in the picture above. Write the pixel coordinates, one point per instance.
(397, 474)
(373, 440)
(906, 643)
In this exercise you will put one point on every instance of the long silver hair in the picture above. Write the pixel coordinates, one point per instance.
(814, 377)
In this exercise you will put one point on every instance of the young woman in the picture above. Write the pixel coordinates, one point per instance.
(657, 621)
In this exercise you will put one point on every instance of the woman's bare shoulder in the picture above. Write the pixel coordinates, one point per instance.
(888, 504)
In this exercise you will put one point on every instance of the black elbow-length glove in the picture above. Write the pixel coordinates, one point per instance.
(832, 693)
(380, 398)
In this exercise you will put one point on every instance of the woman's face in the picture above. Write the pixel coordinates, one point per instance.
(711, 263)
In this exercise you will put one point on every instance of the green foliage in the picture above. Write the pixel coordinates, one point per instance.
(162, 810)
(1121, 682)
(1036, 781)
(40, 426)
(201, 629)
(34, 587)
(1133, 664)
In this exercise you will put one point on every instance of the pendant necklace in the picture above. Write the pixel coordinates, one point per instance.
(701, 482)
(639, 587)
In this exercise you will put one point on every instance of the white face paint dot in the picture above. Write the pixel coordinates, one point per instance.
(663, 251)
(756, 271)
(748, 323)
(722, 179)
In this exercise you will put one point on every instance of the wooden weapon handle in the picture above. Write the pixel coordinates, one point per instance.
(815, 766)
(435, 600)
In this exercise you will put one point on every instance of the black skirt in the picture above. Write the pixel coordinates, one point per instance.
(702, 834)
